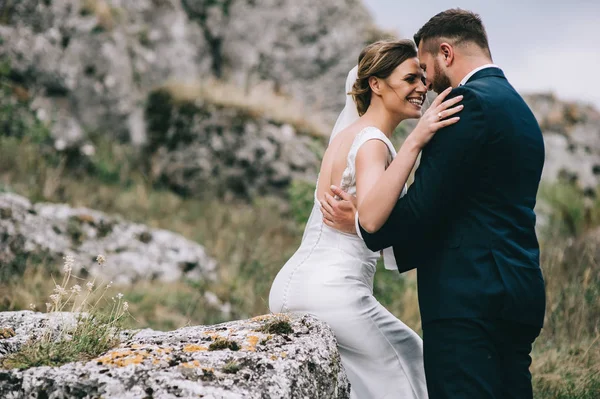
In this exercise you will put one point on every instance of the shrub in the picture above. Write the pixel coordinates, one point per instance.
(16, 118)
(301, 195)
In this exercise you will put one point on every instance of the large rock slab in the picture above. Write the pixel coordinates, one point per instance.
(301, 363)
(134, 251)
(199, 147)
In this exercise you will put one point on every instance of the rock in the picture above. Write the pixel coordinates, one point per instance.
(26, 325)
(572, 139)
(571, 162)
(134, 251)
(303, 48)
(199, 147)
(191, 362)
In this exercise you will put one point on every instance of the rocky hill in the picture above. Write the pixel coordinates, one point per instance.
(228, 96)
(87, 66)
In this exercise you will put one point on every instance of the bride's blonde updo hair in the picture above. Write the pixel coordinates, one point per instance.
(378, 59)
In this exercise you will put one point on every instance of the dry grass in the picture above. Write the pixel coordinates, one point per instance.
(162, 306)
(249, 241)
(259, 101)
(252, 241)
(570, 371)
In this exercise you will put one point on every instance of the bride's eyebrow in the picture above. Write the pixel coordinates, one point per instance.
(414, 75)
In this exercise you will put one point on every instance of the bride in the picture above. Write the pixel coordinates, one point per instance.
(331, 274)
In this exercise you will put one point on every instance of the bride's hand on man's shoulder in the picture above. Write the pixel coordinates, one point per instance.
(438, 115)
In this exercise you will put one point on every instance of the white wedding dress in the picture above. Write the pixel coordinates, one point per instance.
(331, 277)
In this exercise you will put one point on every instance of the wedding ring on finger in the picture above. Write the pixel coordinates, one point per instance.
(439, 115)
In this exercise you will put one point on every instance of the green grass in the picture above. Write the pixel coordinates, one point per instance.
(573, 213)
(232, 367)
(222, 344)
(91, 337)
(279, 326)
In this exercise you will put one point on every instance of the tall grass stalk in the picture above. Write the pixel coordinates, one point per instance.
(95, 330)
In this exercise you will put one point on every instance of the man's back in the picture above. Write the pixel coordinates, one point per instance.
(483, 257)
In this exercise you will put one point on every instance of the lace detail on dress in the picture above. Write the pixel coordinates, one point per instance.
(348, 183)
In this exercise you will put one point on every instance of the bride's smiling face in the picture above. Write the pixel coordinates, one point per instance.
(404, 91)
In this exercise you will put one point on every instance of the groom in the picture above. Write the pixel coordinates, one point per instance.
(467, 223)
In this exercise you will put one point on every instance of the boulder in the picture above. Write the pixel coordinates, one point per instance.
(134, 251)
(258, 358)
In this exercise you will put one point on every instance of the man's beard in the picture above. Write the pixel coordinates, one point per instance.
(440, 80)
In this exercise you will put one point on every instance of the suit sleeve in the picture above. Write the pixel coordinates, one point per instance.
(447, 165)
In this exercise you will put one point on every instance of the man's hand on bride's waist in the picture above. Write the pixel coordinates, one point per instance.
(339, 210)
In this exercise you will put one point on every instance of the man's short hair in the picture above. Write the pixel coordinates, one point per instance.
(456, 25)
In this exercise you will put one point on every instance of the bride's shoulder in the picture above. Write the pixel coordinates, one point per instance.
(349, 134)
(367, 133)
(372, 130)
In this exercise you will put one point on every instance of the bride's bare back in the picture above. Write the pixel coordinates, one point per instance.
(335, 159)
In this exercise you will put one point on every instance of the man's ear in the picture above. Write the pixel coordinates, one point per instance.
(375, 85)
(447, 52)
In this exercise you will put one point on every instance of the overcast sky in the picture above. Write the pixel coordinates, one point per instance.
(541, 45)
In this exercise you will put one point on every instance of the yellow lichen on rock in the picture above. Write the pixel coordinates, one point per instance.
(194, 348)
(124, 357)
(252, 342)
(191, 365)
(163, 351)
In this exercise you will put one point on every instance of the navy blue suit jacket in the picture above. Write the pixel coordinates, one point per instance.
(467, 222)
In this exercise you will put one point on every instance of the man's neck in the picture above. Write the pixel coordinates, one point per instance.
(467, 66)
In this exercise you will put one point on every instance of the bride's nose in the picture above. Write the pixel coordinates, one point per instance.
(421, 88)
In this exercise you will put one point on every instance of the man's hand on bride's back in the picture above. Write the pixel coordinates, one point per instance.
(339, 210)
(436, 117)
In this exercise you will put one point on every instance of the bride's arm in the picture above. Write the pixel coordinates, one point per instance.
(371, 161)
(381, 193)
(377, 189)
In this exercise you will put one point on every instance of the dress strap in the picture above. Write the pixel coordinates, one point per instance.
(370, 133)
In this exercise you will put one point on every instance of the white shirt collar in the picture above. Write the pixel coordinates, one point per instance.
(474, 71)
